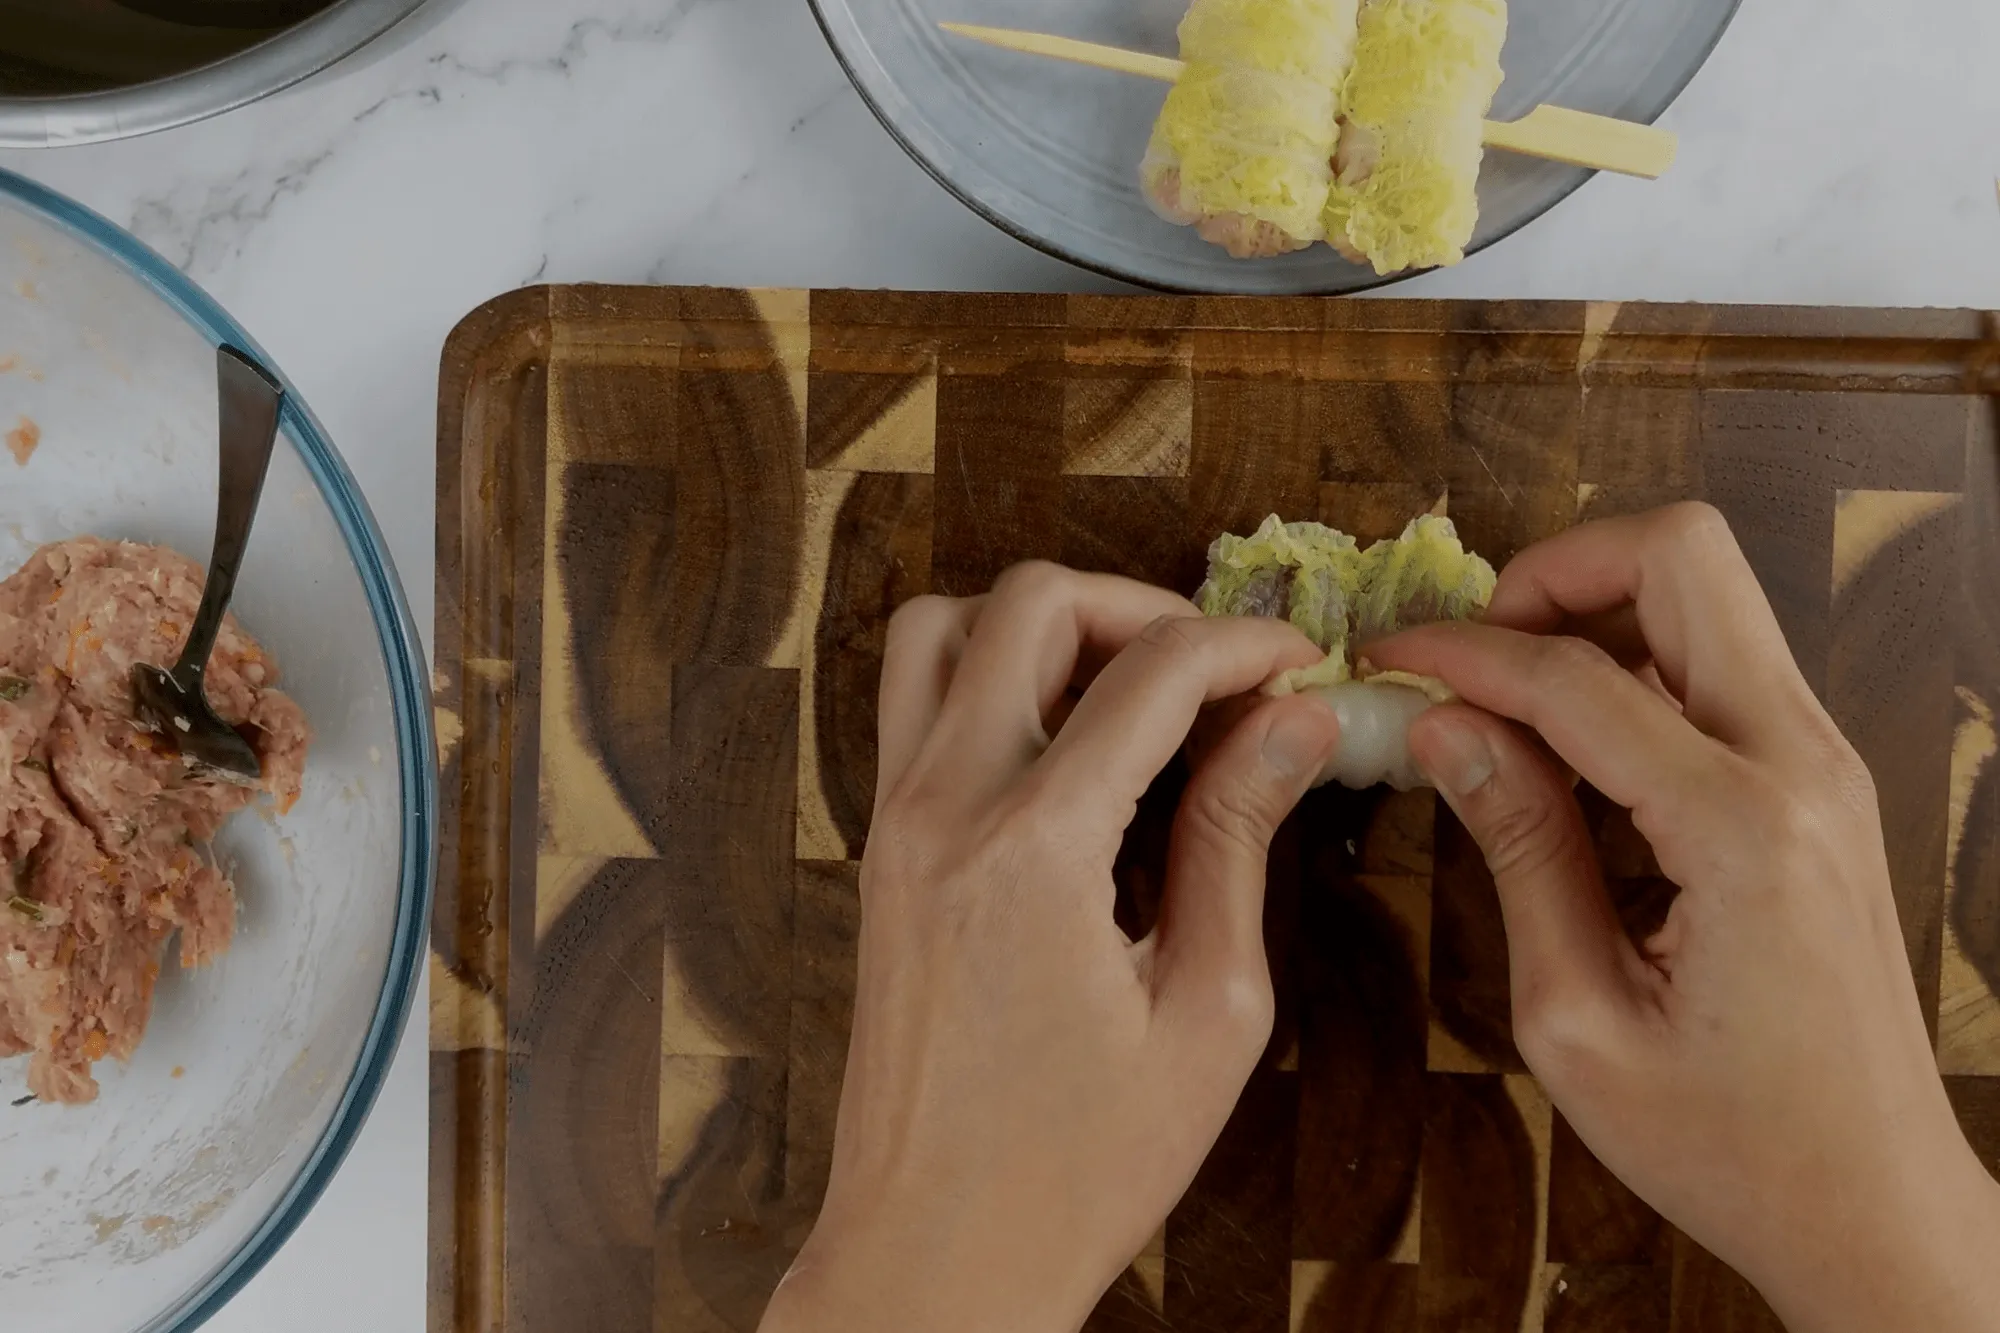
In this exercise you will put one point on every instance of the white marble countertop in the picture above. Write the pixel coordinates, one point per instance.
(1828, 156)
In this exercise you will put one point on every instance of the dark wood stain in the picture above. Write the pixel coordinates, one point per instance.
(709, 988)
(738, 503)
(1710, 1296)
(1361, 1036)
(998, 497)
(1977, 1102)
(738, 487)
(825, 946)
(585, 1119)
(1374, 511)
(1511, 459)
(1592, 1299)
(1469, 979)
(725, 1231)
(615, 555)
(1889, 686)
(1593, 1218)
(881, 558)
(840, 407)
(1229, 1263)
(727, 837)
(1778, 494)
(1386, 434)
(1478, 1206)
(1975, 905)
(1254, 453)
(1228, 1241)
(1363, 1298)
(1135, 526)
(1127, 1307)
(1641, 442)
(490, 477)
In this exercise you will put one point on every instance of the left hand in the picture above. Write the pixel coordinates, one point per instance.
(1028, 1092)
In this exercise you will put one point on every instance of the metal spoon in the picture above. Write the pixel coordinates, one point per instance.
(172, 703)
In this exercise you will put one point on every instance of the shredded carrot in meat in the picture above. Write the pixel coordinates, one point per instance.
(287, 801)
(96, 1044)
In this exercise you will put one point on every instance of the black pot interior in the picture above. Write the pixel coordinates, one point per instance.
(51, 47)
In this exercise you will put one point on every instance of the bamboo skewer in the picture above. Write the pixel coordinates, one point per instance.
(1578, 138)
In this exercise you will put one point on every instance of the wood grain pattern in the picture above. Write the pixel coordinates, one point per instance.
(673, 525)
(1594, 1220)
(878, 556)
(581, 1157)
(1708, 1294)
(1969, 1003)
(1889, 686)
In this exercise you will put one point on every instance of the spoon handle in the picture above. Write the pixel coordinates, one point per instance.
(249, 402)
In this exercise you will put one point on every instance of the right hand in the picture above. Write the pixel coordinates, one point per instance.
(1758, 1070)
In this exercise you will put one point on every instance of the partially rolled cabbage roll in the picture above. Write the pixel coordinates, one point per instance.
(1337, 594)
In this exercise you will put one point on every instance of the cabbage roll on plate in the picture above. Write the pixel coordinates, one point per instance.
(1299, 121)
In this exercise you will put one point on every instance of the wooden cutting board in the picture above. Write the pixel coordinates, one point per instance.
(671, 527)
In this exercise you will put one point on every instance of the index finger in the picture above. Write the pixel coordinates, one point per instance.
(1619, 733)
(1705, 619)
(1137, 713)
(1038, 626)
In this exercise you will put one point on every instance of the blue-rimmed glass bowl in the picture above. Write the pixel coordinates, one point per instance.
(147, 1209)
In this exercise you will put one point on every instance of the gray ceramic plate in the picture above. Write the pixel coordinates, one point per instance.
(1049, 152)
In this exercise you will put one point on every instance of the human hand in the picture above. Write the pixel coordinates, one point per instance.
(1028, 1092)
(1759, 1069)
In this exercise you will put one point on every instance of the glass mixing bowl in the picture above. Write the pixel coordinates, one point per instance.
(150, 1207)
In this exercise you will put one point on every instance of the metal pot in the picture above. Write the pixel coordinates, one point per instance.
(295, 52)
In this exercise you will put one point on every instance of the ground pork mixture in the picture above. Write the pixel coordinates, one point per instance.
(104, 831)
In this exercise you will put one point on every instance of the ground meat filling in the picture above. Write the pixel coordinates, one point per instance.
(104, 830)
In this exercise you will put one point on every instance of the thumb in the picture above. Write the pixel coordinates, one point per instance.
(1567, 951)
(1209, 944)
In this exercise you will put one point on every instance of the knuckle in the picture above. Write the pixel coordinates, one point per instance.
(1797, 823)
(1246, 1006)
(1522, 839)
(1696, 524)
(894, 856)
(1170, 637)
(1558, 1032)
(1032, 581)
(920, 618)
(1855, 785)
(1234, 813)
(920, 612)
(1566, 658)
(1846, 777)
(1789, 822)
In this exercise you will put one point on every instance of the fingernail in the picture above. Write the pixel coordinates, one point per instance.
(1294, 751)
(1456, 757)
